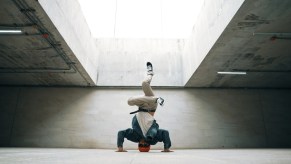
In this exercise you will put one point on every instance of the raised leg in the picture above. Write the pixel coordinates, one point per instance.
(146, 86)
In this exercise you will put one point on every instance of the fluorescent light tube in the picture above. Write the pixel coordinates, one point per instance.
(233, 73)
(10, 31)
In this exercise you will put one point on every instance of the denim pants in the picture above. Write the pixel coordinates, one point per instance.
(153, 136)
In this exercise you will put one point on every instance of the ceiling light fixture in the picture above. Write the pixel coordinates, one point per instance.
(10, 32)
(233, 73)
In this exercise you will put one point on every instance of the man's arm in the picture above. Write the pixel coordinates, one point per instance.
(120, 140)
(128, 134)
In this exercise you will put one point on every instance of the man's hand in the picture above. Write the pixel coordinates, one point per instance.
(120, 149)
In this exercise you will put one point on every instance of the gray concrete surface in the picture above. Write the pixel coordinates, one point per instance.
(240, 47)
(175, 59)
(205, 156)
(225, 38)
(122, 61)
(213, 19)
(71, 24)
(195, 118)
(60, 57)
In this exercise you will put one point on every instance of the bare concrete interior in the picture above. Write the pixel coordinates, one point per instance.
(91, 117)
(241, 35)
(61, 88)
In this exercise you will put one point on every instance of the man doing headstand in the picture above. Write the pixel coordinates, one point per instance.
(145, 130)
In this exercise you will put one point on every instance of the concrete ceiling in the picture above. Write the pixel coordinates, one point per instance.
(34, 59)
(39, 56)
(247, 45)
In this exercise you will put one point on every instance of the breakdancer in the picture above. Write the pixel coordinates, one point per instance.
(145, 130)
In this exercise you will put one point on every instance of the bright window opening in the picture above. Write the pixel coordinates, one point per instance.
(141, 18)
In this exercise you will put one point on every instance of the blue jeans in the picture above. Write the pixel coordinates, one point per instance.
(153, 136)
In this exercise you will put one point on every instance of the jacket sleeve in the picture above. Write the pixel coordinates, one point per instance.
(152, 132)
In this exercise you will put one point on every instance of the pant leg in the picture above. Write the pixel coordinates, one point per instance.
(162, 136)
(129, 134)
(147, 102)
(152, 132)
(146, 87)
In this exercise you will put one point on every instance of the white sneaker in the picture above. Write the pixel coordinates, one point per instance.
(149, 67)
(161, 101)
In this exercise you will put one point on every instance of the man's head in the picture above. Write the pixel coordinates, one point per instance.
(143, 146)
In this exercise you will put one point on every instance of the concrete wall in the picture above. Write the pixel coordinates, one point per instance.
(120, 60)
(64, 14)
(177, 59)
(196, 118)
(213, 19)
(123, 61)
(8, 105)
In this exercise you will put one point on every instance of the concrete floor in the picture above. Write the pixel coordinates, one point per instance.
(45, 155)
